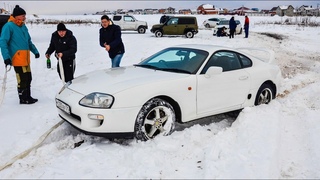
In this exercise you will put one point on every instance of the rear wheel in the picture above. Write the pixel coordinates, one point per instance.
(207, 25)
(158, 33)
(189, 34)
(156, 117)
(141, 30)
(264, 95)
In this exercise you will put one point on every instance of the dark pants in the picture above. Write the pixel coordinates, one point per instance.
(246, 31)
(232, 33)
(24, 77)
(68, 69)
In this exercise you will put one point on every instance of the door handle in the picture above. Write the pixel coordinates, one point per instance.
(243, 78)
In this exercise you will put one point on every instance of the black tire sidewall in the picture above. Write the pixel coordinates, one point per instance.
(262, 88)
(144, 111)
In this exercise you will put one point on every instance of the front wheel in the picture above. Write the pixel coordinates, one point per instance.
(189, 34)
(240, 31)
(141, 30)
(156, 117)
(158, 33)
(264, 95)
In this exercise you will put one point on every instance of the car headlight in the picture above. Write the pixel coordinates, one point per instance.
(97, 100)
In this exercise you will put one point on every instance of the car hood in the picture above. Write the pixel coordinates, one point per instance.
(157, 26)
(114, 80)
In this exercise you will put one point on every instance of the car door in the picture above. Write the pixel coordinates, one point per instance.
(225, 91)
(129, 23)
(171, 27)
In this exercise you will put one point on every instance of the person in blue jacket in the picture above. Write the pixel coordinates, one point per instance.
(232, 27)
(110, 39)
(16, 45)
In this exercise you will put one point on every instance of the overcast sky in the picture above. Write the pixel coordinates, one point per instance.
(89, 7)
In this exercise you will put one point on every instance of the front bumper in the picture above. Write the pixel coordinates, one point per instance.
(116, 123)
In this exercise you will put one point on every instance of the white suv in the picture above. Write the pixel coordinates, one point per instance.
(130, 23)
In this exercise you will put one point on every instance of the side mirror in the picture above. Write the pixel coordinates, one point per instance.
(213, 70)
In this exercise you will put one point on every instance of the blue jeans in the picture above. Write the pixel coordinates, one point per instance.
(116, 60)
(246, 31)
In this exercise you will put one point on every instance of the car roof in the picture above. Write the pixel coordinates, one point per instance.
(207, 47)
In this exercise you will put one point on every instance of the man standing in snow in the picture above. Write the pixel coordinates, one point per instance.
(64, 44)
(110, 39)
(16, 44)
(246, 26)
(232, 27)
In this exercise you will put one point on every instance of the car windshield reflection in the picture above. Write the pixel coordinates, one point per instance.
(179, 60)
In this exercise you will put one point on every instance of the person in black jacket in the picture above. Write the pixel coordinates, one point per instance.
(64, 43)
(232, 27)
(110, 39)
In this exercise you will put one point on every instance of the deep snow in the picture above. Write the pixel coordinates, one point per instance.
(279, 140)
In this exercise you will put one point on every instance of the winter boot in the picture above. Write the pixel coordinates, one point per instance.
(23, 96)
(29, 95)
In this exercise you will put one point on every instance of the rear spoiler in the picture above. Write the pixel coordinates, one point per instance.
(268, 54)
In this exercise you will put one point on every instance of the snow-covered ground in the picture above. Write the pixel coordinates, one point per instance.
(279, 140)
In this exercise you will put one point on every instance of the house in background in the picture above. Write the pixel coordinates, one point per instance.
(305, 10)
(242, 11)
(170, 10)
(285, 11)
(207, 9)
(185, 11)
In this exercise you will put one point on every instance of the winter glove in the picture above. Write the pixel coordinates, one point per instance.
(7, 62)
(37, 56)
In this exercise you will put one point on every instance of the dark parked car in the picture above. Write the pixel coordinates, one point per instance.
(177, 25)
(3, 19)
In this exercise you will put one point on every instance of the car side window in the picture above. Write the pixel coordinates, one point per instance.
(128, 18)
(227, 60)
(116, 18)
(246, 62)
(173, 21)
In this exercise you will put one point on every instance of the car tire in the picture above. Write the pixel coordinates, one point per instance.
(264, 95)
(158, 33)
(156, 117)
(189, 34)
(141, 30)
(207, 25)
(240, 31)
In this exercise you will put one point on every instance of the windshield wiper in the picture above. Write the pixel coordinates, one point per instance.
(146, 66)
(174, 70)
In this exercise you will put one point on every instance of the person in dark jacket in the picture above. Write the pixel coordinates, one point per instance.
(221, 32)
(16, 46)
(163, 19)
(232, 27)
(110, 39)
(64, 43)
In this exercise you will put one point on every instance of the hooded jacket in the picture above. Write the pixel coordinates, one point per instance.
(112, 37)
(66, 45)
(15, 43)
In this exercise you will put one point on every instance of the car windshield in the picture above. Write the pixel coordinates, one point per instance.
(179, 60)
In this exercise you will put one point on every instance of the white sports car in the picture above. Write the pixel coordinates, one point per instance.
(178, 84)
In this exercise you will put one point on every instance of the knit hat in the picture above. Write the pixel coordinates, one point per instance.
(17, 11)
(61, 27)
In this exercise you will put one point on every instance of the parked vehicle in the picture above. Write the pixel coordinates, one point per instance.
(177, 25)
(130, 23)
(212, 22)
(176, 85)
(225, 23)
(3, 19)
